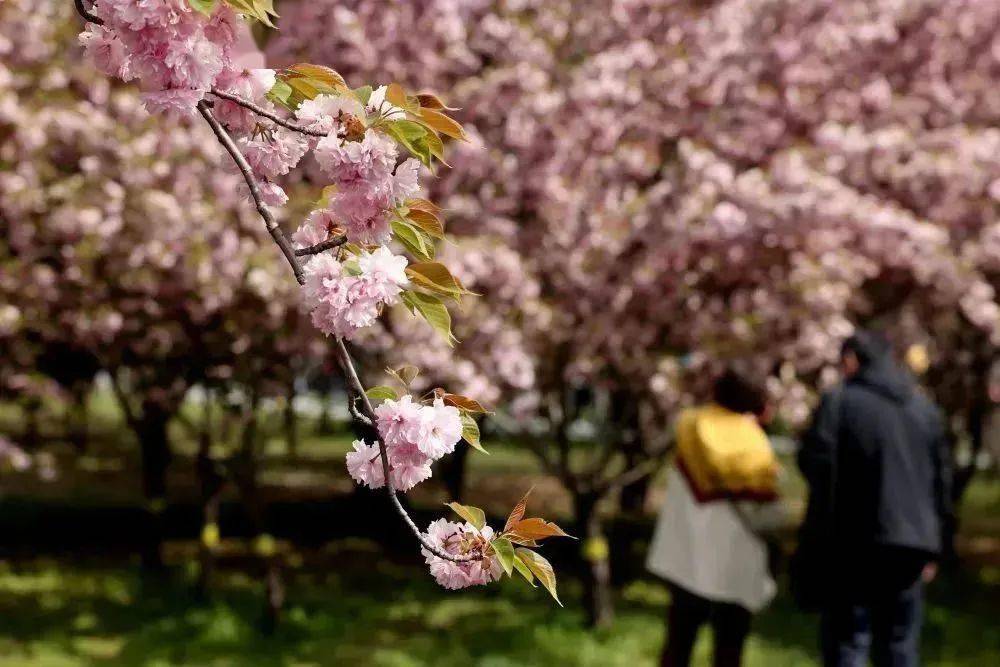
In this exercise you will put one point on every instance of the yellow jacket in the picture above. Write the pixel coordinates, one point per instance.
(724, 454)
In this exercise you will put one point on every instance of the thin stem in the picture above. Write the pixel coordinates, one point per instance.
(261, 111)
(269, 222)
(320, 247)
(357, 389)
(82, 10)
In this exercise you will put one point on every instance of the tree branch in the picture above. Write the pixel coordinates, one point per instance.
(320, 247)
(635, 473)
(269, 222)
(82, 10)
(123, 401)
(261, 111)
(356, 389)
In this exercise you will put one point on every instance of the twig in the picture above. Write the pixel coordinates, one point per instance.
(82, 10)
(261, 111)
(357, 389)
(352, 407)
(320, 247)
(269, 222)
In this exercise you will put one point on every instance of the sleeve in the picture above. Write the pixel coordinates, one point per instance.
(819, 443)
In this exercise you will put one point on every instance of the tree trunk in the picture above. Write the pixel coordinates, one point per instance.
(596, 573)
(325, 424)
(263, 545)
(962, 477)
(211, 481)
(30, 439)
(453, 470)
(151, 430)
(633, 496)
(291, 422)
(76, 418)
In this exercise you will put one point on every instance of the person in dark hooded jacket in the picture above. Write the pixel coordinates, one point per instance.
(877, 464)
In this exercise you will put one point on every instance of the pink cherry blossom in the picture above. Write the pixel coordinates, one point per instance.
(364, 165)
(405, 182)
(365, 465)
(251, 85)
(459, 539)
(438, 429)
(341, 303)
(324, 112)
(365, 217)
(396, 419)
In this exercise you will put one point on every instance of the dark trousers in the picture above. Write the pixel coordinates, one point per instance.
(688, 612)
(885, 623)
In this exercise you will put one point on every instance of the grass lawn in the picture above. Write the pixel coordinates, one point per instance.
(353, 606)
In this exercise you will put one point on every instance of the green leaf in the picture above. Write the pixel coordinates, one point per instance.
(505, 554)
(408, 129)
(381, 393)
(405, 374)
(261, 10)
(541, 568)
(435, 277)
(413, 136)
(363, 94)
(442, 123)
(352, 268)
(428, 222)
(206, 7)
(470, 432)
(524, 570)
(281, 93)
(413, 239)
(473, 515)
(432, 310)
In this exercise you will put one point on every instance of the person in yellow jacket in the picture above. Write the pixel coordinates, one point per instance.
(705, 545)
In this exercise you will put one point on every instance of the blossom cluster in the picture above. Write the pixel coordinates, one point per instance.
(176, 53)
(346, 296)
(459, 539)
(414, 435)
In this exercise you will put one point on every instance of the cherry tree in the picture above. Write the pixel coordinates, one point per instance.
(686, 184)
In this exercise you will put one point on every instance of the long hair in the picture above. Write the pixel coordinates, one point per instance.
(738, 393)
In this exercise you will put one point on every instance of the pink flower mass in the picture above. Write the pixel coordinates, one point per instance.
(342, 300)
(459, 539)
(415, 436)
(175, 52)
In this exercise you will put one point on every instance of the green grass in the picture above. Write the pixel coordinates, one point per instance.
(354, 607)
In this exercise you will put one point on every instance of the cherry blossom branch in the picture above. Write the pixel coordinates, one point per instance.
(261, 111)
(82, 10)
(265, 213)
(357, 390)
(320, 247)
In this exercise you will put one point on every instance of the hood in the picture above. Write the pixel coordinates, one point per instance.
(879, 370)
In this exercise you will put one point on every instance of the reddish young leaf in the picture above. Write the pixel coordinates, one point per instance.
(517, 513)
(464, 403)
(537, 529)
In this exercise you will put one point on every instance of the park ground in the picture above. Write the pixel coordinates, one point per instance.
(354, 601)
